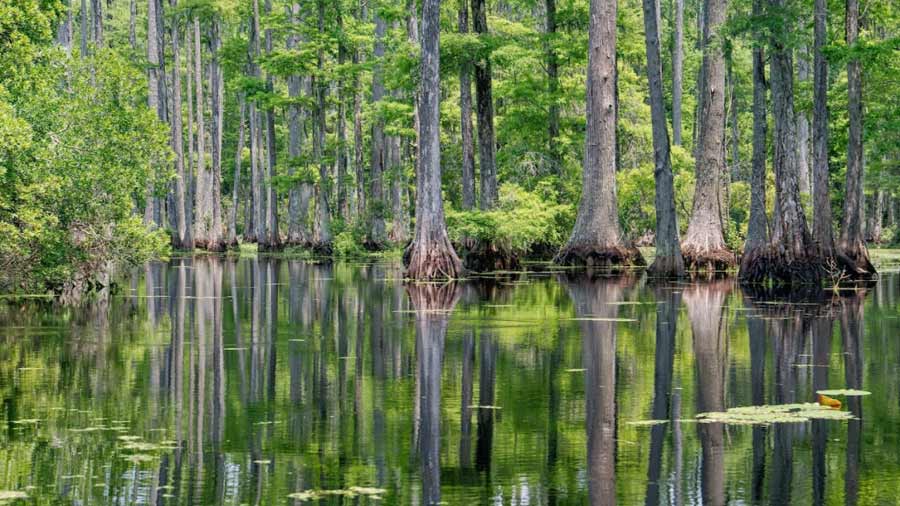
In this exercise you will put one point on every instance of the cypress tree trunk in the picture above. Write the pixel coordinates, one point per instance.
(204, 233)
(271, 240)
(430, 255)
(182, 239)
(597, 238)
(216, 85)
(704, 245)
(791, 257)
(485, 108)
(853, 252)
(668, 260)
(231, 238)
(377, 204)
(823, 226)
(358, 163)
(85, 29)
(758, 226)
(465, 109)
(803, 133)
(341, 179)
(191, 136)
(155, 95)
(322, 225)
(256, 167)
(132, 26)
(298, 228)
(677, 71)
(97, 23)
(400, 220)
(552, 89)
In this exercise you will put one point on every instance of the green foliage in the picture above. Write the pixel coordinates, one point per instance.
(77, 147)
(521, 221)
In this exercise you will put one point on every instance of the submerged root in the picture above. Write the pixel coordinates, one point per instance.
(484, 256)
(854, 261)
(771, 264)
(667, 266)
(709, 261)
(429, 260)
(604, 257)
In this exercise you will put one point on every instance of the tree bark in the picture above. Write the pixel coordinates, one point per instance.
(298, 201)
(465, 109)
(272, 238)
(552, 90)
(823, 226)
(852, 244)
(668, 260)
(791, 257)
(322, 226)
(376, 235)
(155, 95)
(704, 245)
(758, 226)
(182, 239)
(231, 238)
(430, 255)
(132, 27)
(597, 238)
(485, 109)
(85, 30)
(97, 23)
(677, 71)
(204, 231)
(803, 132)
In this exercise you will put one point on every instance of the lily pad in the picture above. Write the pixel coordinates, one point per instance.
(848, 392)
(779, 413)
(9, 495)
(575, 370)
(474, 406)
(642, 423)
(601, 319)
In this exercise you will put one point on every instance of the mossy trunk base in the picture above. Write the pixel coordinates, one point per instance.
(605, 257)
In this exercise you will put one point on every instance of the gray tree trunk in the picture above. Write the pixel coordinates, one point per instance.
(181, 176)
(852, 243)
(155, 96)
(84, 28)
(677, 71)
(791, 256)
(132, 24)
(465, 110)
(704, 245)
(97, 23)
(322, 227)
(231, 238)
(668, 260)
(430, 255)
(216, 86)
(204, 231)
(758, 226)
(803, 132)
(271, 239)
(823, 226)
(298, 227)
(552, 89)
(485, 109)
(377, 203)
(597, 238)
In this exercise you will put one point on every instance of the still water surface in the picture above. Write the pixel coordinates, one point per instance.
(211, 381)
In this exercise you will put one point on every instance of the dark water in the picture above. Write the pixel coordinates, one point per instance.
(241, 382)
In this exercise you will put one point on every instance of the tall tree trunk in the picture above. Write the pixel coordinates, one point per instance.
(358, 141)
(216, 85)
(192, 138)
(400, 220)
(377, 202)
(552, 89)
(704, 245)
(485, 107)
(430, 255)
(272, 238)
(298, 228)
(341, 179)
(803, 133)
(668, 260)
(735, 172)
(852, 244)
(758, 226)
(204, 231)
(597, 238)
(823, 226)
(97, 23)
(465, 110)
(155, 96)
(677, 71)
(132, 27)
(182, 239)
(790, 256)
(64, 30)
(231, 239)
(85, 30)
(322, 226)
(256, 147)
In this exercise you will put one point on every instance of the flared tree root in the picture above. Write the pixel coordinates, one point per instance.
(774, 265)
(603, 257)
(667, 266)
(430, 260)
(707, 261)
(853, 260)
(484, 256)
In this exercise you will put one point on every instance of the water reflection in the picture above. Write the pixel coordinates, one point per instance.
(224, 381)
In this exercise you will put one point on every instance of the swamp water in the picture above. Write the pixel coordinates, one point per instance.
(266, 381)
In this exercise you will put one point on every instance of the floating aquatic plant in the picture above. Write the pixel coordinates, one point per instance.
(779, 413)
(9, 495)
(642, 423)
(313, 495)
(848, 392)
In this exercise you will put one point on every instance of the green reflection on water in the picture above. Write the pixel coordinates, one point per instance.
(245, 381)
